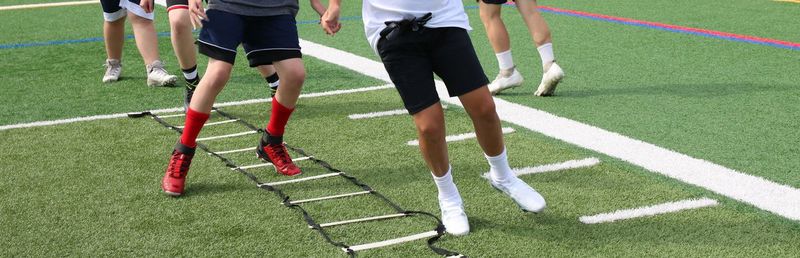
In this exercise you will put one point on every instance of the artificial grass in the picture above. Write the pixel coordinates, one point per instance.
(98, 195)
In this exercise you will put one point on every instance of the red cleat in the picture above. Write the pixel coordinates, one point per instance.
(174, 178)
(277, 155)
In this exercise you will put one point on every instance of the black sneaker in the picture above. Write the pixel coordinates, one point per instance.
(188, 92)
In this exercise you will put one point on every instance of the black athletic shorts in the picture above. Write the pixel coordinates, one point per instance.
(111, 6)
(265, 39)
(494, 1)
(412, 58)
(177, 4)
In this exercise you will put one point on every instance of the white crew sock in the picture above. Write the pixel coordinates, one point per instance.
(190, 75)
(499, 170)
(505, 60)
(546, 53)
(448, 193)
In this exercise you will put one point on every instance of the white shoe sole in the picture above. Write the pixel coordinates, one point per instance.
(169, 82)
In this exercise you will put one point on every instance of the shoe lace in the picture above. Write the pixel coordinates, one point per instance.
(280, 152)
(183, 166)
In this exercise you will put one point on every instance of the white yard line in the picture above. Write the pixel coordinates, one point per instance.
(648, 211)
(30, 6)
(378, 114)
(179, 109)
(461, 137)
(780, 199)
(570, 164)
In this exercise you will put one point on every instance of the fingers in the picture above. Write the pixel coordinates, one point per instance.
(147, 5)
(197, 13)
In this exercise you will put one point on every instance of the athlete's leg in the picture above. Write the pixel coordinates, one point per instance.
(271, 76)
(146, 38)
(182, 38)
(508, 77)
(495, 28)
(114, 35)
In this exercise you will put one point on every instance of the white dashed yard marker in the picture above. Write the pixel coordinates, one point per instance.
(461, 137)
(571, 164)
(648, 211)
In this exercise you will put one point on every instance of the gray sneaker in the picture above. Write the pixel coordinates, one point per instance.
(158, 77)
(113, 70)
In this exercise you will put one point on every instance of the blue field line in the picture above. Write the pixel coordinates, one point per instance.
(358, 18)
(100, 39)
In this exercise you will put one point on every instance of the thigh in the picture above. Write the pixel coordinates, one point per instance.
(410, 69)
(270, 39)
(221, 35)
(454, 60)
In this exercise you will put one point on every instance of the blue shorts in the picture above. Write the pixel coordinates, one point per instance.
(265, 39)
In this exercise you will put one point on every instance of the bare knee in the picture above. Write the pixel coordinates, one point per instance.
(431, 130)
(180, 26)
(488, 15)
(486, 112)
(296, 75)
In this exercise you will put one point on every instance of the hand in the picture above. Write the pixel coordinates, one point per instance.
(197, 13)
(147, 5)
(330, 20)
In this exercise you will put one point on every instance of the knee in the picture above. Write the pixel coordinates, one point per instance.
(487, 15)
(180, 26)
(297, 75)
(486, 112)
(431, 130)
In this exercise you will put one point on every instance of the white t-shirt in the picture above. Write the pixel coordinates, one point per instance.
(446, 13)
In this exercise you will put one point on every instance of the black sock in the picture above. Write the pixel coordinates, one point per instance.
(271, 139)
(272, 79)
(190, 71)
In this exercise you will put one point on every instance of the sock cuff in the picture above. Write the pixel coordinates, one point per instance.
(272, 78)
(281, 107)
(544, 46)
(190, 69)
(447, 175)
(500, 156)
(192, 114)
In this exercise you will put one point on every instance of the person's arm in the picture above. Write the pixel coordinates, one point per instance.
(330, 20)
(197, 13)
(318, 7)
(147, 5)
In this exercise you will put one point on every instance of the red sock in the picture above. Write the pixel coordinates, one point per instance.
(194, 122)
(278, 119)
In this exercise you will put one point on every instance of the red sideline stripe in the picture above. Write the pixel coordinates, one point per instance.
(177, 7)
(675, 27)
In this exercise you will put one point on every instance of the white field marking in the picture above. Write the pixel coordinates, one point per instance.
(382, 113)
(362, 247)
(216, 123)
(330, 197)
(173, 115)
(234, 151)
(780, 199)
(267, 164)
(302, 179)
(647, 211)
(378, 114)
(30, 6)
(226, 136)
(570, 164)
(331, 224)
(180, 109)
(461, 137)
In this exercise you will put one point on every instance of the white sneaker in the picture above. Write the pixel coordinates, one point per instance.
(113, 70)
(158, 77)
(528, 199)
(550, 80)
(503, 82)
(454, 218)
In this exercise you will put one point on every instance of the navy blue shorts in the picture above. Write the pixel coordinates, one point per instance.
(265, 39)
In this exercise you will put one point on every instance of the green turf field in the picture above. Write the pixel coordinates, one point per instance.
(92, 188)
